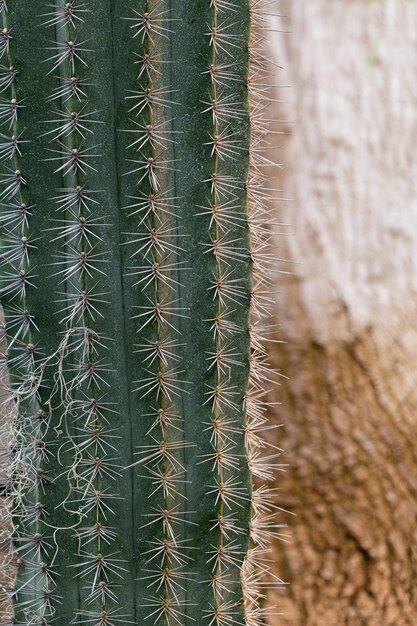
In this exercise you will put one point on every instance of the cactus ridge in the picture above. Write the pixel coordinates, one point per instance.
(229, 287)
(135, 284)
(25, 418)
(154, 246)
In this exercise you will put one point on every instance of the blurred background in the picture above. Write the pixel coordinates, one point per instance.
(348, 311)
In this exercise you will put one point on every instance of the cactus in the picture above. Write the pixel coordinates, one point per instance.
(134, 279)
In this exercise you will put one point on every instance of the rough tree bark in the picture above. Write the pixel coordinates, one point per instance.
(349, 314)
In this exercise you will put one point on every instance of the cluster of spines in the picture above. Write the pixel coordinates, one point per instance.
(24, 418)
(155, 247)
(257, 575)
(228, 232)
(81, 365)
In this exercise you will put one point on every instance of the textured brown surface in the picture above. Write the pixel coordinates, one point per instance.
(350, 437)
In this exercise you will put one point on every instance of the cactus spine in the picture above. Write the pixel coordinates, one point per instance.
(135, 231)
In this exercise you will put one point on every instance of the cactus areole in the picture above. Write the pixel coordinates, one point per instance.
(134, 278)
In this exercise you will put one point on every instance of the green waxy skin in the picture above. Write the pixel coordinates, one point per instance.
(137, 122)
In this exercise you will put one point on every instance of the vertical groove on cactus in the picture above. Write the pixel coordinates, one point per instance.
(135, 273)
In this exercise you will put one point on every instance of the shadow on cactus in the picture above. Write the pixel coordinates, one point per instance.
(134, 277)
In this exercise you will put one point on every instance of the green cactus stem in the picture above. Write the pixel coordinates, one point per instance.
(134, 278)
